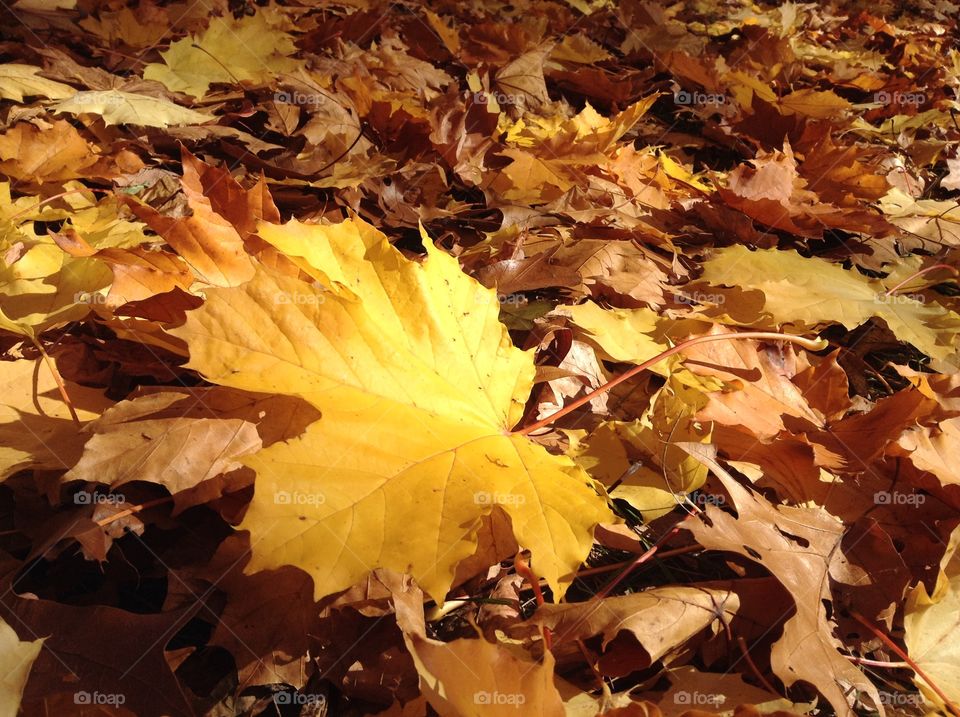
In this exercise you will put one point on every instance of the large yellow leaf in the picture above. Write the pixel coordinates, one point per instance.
(418, 385)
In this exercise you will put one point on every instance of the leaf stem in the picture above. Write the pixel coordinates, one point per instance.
(524, 571)
(901, 653)
(58, 378)
(617, 566)
(641, 559)
(915, 274)
(810, 344)
(136, 508)
(753, 666)
(877, 663)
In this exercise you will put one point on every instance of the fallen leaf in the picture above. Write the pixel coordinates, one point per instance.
(436, 443)
(116, 107)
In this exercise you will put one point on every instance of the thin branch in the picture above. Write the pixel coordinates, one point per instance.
(810, 344)
(900, 652)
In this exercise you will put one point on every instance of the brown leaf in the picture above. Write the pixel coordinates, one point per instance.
(660, 621)
(799, 547)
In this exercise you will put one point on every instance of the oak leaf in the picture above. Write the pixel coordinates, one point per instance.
(800, 548)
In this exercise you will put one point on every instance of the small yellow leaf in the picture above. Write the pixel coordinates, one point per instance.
(16, 659)
(127, 108)
(19, 81)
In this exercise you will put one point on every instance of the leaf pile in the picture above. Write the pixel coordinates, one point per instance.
(546, 358)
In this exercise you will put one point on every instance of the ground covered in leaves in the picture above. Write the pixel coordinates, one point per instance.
(476, 358)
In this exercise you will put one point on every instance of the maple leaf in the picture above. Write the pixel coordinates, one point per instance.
(116, 107)
(465, 677)
(151, 439)
(129, 664)
(211, 241)
(383, 349)
(807, 292)
(371, 424)
(252, 49)
(17, 81)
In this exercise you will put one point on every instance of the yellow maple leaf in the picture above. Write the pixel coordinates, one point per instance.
(418, 385)
(18, 81)
(252, 49)
(40, 285)
(117, 107)
(809, 291)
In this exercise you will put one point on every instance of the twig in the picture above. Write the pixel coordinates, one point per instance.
(641, 559)
(810, 344)
(759, 675)
(616, 566)
(906, 658)
(55, 197)
(877, 663)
